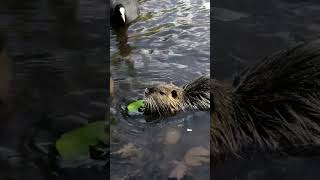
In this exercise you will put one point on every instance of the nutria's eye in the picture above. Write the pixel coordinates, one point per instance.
(174, 94)
(162, 93)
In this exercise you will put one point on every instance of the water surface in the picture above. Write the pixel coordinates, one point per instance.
(168, 43)
(53, 53)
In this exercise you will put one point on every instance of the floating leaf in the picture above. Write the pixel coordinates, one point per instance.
(197, 156)
(135, 106)
(179, 171)
(129, 151)
(75, 144)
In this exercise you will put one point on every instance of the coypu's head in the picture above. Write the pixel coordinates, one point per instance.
(168, 99)
(163, 99)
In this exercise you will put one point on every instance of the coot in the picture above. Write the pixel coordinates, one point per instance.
(123, 12)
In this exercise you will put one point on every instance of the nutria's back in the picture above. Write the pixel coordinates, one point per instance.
(275, 107)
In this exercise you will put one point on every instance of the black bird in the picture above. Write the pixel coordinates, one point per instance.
(123, 12)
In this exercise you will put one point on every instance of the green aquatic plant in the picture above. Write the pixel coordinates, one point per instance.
(145, 16)
(136, 106)
(76, 143)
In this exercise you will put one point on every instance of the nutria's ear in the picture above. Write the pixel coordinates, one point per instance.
(174, 94)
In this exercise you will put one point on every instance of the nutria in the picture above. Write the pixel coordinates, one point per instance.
(166, 99)
(275, 107)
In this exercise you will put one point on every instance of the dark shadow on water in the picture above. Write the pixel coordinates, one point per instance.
(52, 80)
(122, 39)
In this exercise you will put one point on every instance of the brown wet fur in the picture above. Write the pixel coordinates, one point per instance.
(274, 109)
(168, 99)
(163, 101)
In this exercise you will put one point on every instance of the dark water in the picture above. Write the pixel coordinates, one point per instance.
(54, 80)
(249, 31)
(169, 42)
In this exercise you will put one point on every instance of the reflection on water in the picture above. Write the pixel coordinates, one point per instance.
(53, 64)
(122, 39)
(168, 42)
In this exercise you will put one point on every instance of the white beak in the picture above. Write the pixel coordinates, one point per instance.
(122, 12)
